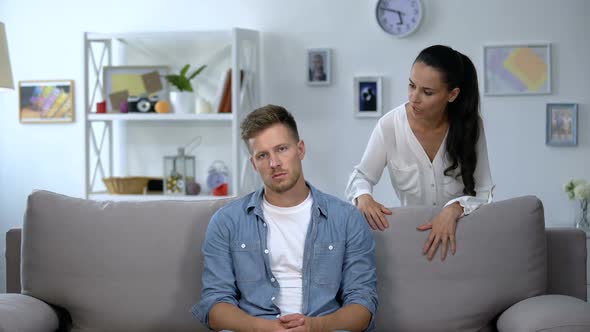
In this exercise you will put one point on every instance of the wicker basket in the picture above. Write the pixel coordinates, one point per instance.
(126, 185)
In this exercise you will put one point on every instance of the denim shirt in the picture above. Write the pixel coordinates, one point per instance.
(338, 260)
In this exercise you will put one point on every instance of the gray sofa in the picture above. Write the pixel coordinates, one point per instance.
(135, 266)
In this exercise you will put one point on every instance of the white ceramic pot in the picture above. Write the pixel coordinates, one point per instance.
(182, 102)
(203, 106)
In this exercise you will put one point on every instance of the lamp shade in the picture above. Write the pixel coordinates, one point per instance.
(5, 71)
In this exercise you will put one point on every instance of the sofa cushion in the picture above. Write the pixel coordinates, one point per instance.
(547, 313)
(116, 266)
(26, 314)
(500, 260)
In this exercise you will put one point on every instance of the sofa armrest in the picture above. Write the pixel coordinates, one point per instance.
(24, 313)
(547, 313)
(566, 262)
(13, 240)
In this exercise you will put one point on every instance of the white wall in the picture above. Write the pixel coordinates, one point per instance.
(46, 42)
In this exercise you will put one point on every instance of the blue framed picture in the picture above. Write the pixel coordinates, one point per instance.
(562, 124)
(367, 96)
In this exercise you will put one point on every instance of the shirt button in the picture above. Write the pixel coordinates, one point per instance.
(243, 246)
(432, 185)
(266, 251)
(264, 224)
(434, 204)
(330, 247)
(279, 316)
(272, 279)
(272, 298)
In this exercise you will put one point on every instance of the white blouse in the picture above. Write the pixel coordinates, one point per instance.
(415, 179)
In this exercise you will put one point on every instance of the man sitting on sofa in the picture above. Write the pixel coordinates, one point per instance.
(286, 257)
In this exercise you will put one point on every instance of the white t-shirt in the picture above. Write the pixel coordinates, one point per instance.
(415, 179)
(287, 229)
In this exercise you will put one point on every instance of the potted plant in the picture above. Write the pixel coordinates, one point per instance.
(183, 99)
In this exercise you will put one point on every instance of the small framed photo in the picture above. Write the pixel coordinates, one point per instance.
(517, 69)
(46, 101)
(319, 62)
(121, 82)
(367, 96)
(562, 124)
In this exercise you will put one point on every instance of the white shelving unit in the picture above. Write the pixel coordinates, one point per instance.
(134, 144)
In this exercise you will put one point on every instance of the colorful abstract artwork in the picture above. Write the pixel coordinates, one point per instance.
(517, 69)
(46, 101)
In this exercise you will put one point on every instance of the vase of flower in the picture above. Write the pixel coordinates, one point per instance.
(580, 191)
(183, 99)
(582, 214)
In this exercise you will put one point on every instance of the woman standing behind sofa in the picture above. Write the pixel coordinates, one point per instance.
(433, 146)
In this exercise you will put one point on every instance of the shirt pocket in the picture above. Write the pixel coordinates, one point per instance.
(327, 263)
(405, 178)
(247, 260)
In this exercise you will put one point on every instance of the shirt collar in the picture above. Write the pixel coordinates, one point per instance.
(319, 201)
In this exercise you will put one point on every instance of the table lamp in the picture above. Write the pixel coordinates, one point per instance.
(5, 71)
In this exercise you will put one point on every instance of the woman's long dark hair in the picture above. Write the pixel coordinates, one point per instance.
(458, 72)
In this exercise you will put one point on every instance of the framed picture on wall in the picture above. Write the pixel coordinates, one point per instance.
(319, 62)
(518, 69)
(562, 124)
(367, 96)
(46, 101)
(121, 82)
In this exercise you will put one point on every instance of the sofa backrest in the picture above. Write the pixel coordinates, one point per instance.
(116, 266)
(500, 260)
(136, 266)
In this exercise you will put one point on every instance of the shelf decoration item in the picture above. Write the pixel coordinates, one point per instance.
(179, 172)
(183, 100)
(131, 185)
(580, 191)
(218, 178)
(46, 101)
(122, 82)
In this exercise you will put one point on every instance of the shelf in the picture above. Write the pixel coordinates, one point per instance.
(151, 197)
(159, 117)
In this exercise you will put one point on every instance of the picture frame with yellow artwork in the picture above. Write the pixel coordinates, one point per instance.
(46, 101)
(517, 69)
(120, 82)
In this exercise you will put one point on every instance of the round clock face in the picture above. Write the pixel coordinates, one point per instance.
(399, 17)
(215, 179)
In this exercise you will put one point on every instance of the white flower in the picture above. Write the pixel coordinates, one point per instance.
(582, 191)
(571, 186)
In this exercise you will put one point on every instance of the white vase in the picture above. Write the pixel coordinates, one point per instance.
(203, 106)
(182, 102)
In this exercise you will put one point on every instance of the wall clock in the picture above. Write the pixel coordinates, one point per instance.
(399, 17)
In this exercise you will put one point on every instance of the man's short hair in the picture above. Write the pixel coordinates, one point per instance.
(265, 117)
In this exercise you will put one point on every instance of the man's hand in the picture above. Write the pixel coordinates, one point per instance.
(373, 211)
(301, 323)
(267, 325)
(443, 231)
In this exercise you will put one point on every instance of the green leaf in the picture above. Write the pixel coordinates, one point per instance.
(184, 70)
(197, 72)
